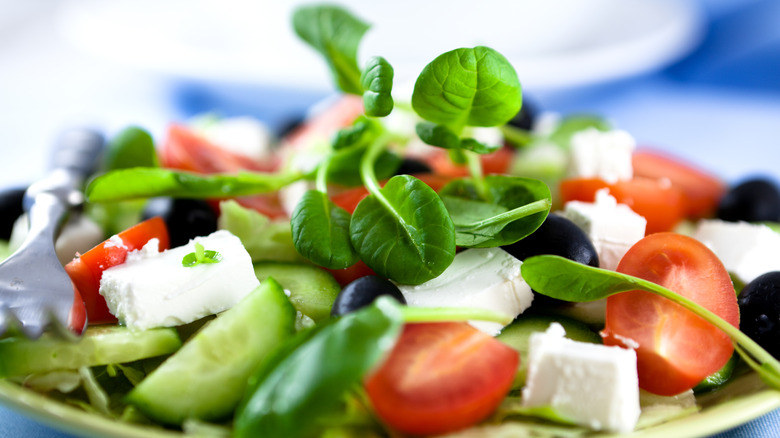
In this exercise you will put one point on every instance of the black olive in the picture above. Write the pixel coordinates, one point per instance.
(557, 236)
(362, 292)
(754, 200)
(10, 209)
(185, 218)
(410, 166)
(526, 117)
(759, 307)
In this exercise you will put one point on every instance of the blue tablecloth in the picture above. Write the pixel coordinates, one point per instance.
(732, 79)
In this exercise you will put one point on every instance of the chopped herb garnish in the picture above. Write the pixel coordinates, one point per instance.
(201, 255)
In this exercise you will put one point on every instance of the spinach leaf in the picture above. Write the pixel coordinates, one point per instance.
(473, 145)
(336, 34)
(320, 231)
(567, 280)
(437, 135)
(405, 233)
(515, 208)
(468, 87)
(147, 182)
(305, 381)
(132, 147)
(350, 144)
(362, 132)
(377, 81)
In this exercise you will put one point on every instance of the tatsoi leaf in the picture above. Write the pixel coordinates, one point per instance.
(336, 34)
(350, 144)
(408, 236)
(466, 212)
(468, 87)
(147, 182)
(133, 147)
(362, 132)
(377, 81)
(478, 147)
(320, 231)
(437, 135)
(527, 202)
(306, 380)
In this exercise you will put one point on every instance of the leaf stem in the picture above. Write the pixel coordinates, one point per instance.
(367, 173)
(512, 215)
(321, 182)
(515, 136)
(475, 169)
(440, 314)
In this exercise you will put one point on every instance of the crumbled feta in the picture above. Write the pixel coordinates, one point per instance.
(486, 278)
(242, 135)
(613, 228)
(746, 250)
(153, 289)
(599, 154)
(594, 385)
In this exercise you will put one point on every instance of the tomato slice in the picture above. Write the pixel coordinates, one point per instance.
(677, 349)
(441, 377)
(497, 162)
(702, 190)
(86, 270)
(186, 150)
(662, 204)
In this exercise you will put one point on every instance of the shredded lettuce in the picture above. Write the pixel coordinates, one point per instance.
(263, 238)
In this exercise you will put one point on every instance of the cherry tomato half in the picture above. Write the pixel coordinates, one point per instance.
(441, 377)
(86, 270)
(677, 349)
(662, 204)
(702, 190)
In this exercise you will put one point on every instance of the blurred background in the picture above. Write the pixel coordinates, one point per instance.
(695, 77)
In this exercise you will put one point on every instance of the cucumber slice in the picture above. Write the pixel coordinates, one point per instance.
(312, 289)
(517, 335)
(207, 377)
(100, 345)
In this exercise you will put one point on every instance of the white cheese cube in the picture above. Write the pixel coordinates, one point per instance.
(485, 278)
(594, 385)
(153, 289)
(746, 250)
(599, 154)
(613, 228)
(243, 135)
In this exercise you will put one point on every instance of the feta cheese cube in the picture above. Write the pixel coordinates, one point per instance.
(599, 154)
(594, 385)
(242, 135)
(153, 289)
(746, 250)
(486, 278)
(613, 228)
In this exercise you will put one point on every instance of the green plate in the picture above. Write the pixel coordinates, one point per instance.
(742, 400)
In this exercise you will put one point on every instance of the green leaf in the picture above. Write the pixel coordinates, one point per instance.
(377, 81)
(478, 147)
(320, 231)
(336, 34)
(567, 280)
(132, 147)
(437, 135)
(350, 144)
(404, 234)
(516, 208)
(468, 87)
(306, 380)
(147, 182)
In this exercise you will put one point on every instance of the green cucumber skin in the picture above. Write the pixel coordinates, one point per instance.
(518, 334)
(312, 289)
(207, 377)
(100, 345)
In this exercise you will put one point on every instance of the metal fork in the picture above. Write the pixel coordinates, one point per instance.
(36, 293)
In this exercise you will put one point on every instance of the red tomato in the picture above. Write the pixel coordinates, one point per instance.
(702, 190)
(441, 377)
(495, 163)
(677, 349)
(348, 275)
(186, 150)
(77, 319)
(86, 270)
(656, 200)
(324, 124)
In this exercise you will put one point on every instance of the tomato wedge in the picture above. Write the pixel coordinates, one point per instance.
(702, 190)
(662, 204)
(86, 270)
(441, 377)
(677, 349)
(497, 162)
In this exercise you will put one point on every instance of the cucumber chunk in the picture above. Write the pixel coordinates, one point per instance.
(207, 377)
(517, 335)
(100, 345)
(312, 289)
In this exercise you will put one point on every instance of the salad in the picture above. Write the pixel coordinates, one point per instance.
(446, 263)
